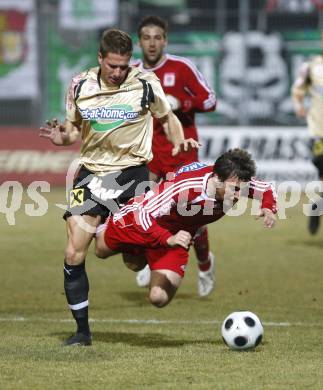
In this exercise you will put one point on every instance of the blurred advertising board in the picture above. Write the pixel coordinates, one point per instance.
(18, 49)
(88, 14)
(25, 157)
(281, 153)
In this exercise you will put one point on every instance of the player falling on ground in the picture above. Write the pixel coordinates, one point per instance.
(310, 82)
(188, 93)
(156, 228)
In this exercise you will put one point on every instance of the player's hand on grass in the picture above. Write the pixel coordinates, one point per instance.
(55, 131)
(269, 217)
(186, 146)
(181, 238)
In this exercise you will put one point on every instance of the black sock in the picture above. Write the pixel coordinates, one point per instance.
(76, 286)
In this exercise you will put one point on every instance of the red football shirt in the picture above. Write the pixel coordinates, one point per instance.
(180, 78)
(179, 204)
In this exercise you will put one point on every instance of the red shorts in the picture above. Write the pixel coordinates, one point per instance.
(127, 238)
(164, 162)
(174, 259)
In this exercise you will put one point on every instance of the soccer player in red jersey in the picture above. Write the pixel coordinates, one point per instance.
(156, 228)
(188, 93)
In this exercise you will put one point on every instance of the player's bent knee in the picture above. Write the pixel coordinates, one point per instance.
(164, 284)
(158, 297)
(73, 257)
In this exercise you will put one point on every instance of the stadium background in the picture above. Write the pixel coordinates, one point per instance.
(276, 273)
(248, 50)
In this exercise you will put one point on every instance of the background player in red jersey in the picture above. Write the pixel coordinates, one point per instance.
(158, 220)
(187, 92)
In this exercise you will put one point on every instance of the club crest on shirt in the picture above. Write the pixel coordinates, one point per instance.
(169, 79)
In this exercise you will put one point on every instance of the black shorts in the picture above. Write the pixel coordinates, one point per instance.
(317, 154)
(103, 195)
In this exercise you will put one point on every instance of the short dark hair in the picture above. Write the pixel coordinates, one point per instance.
(115, 41)
(235, 162)
(152, 21)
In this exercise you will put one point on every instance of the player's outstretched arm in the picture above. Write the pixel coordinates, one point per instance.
(181, 238)
(175, 134)
(58, 133)
(172, 128)
(269, 218)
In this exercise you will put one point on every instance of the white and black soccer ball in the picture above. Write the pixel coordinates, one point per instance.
(242, 330)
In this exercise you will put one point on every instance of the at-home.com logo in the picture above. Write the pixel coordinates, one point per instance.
(109, 118)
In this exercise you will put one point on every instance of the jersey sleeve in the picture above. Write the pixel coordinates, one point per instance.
(159, 107)
(72, 112)
(265, 193)
(197, 95)
(156, 236)
(301, 83)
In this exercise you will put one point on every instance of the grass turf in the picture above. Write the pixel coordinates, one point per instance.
(275, 273)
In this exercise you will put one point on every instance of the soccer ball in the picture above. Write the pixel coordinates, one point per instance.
(242, 330)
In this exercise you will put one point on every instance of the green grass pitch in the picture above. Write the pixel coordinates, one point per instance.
(275, 273)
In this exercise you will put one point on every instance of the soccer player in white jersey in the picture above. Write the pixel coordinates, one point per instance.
(309, 82)
(110, 107)
(157, 227)
(188, 93)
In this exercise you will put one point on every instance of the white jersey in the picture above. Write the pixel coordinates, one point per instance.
(310, 82)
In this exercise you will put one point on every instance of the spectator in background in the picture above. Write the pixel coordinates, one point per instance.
(110, 107)
(187, 92)
(309, 82)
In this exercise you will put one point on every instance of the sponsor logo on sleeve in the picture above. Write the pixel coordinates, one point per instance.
(190, 167)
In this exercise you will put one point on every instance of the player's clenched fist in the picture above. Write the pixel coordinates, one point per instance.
(175, 103)
(181, 238)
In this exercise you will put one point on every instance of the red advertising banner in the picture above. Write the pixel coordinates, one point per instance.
(26, 157)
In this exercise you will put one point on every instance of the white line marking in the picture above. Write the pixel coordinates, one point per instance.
(154, 321)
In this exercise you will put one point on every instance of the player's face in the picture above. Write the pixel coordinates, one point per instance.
(152, 42)
(114, 68)
(228, 191)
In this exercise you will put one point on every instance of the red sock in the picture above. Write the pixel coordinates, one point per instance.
(201, 247)
(204, 266)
